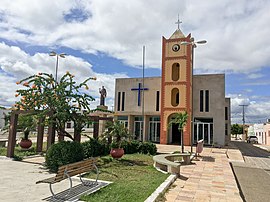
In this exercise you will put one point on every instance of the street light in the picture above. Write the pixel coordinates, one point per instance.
(193, 45)
(62, 55)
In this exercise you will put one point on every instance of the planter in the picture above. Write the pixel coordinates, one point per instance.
(25, 144)
(117, 152)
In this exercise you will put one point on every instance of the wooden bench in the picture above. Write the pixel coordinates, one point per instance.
(3, 142)
(73, 169)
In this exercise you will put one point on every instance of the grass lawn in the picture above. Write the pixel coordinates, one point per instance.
(20, 153)
(134, 179)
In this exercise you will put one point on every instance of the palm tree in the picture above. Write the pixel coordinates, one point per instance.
(117, 131)
(181, 120)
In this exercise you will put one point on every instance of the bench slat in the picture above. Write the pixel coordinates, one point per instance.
(76, 164)
(72, 170)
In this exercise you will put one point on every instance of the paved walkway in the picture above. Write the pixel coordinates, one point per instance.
(208, 179)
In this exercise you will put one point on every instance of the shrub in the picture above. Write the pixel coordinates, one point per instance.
(63, 153)
(147, 148)
(94, 147)
(135, 146)
(131, 147)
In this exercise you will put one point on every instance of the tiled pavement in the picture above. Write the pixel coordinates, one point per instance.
(210, 178)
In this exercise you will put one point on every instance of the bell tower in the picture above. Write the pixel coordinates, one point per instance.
(176, 86)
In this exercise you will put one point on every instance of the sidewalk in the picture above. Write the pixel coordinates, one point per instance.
(263, 146)
(18, 181)
(208, 179)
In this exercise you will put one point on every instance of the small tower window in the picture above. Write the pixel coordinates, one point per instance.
(175, 97)
(175, 71)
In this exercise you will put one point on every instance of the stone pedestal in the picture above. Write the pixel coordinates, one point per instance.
(102, 107)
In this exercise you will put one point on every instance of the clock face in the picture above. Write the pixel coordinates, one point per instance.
(175, 47)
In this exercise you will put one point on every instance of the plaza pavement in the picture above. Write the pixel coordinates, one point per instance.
(208, 179)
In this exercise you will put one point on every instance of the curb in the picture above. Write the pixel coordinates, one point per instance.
(161, 188)
(262, 147)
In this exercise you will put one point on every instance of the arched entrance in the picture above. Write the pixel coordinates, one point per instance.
(173, 132)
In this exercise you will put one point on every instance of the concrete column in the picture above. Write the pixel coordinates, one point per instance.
(96, 127)
(145, 128)
(102, 124)
(131, 124)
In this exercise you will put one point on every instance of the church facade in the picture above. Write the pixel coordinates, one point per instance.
(147, 105)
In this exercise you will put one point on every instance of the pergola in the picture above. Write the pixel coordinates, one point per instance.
(40, 131)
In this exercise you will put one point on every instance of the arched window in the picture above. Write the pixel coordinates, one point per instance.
(175, 71)
(175, 97)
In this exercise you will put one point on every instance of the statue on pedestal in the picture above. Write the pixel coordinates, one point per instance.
(103, 95)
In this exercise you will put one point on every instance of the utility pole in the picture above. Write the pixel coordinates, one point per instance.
(243, 119)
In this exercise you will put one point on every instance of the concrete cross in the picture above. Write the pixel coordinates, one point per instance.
(178, 22)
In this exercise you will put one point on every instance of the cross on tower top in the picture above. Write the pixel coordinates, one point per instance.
(178, 22)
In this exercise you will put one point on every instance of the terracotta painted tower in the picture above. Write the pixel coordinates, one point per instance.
(176, 86)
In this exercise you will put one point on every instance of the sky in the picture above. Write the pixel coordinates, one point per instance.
(104, 38)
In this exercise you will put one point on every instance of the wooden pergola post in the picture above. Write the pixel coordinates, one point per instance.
(40, 135)
(12, 134)
(51, 135)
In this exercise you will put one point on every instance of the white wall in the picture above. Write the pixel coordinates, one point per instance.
(258, 131)
(2, 115)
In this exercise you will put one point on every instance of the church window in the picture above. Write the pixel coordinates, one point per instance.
(204, 100)
(207, 100)
(118, 101)
(175, 97)
(175, 71)
(68, 124)
(226, 129)
(157, 101)
(201, 100)
(123, 101)
(226, 113)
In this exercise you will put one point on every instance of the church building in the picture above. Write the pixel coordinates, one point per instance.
(147, 105)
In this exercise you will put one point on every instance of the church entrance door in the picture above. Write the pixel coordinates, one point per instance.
(176, 138)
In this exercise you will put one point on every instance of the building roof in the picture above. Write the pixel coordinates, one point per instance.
(177, 34)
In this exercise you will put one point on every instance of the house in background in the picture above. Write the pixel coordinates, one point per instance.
(261, 131)
(3, 113)
(147, 105)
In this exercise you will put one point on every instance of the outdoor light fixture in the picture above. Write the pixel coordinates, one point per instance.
(62, 55)
(194, 45)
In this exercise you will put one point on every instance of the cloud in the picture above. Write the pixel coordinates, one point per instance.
(235, 31)
(255, 76)
(257, 108)
(256, 83)
(15, 64)
(236, 34)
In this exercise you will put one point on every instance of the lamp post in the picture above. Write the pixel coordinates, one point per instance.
(193, 45)
(62, 55)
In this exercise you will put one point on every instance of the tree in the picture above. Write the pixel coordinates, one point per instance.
(236, 129)
(181, 120)
(117, 132)
(63, 101)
